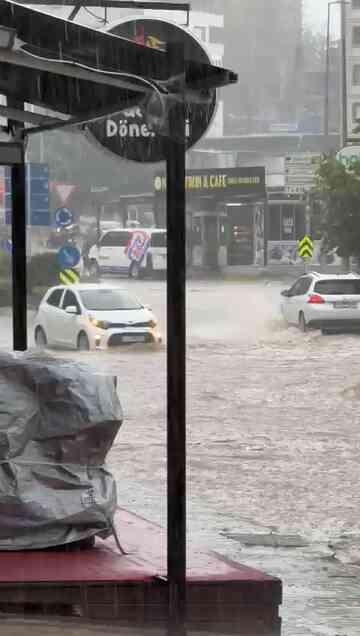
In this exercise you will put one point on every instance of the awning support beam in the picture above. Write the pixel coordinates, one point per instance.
(176, 356)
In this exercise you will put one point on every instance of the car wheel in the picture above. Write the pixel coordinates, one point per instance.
(302, 322)
(40, 338)
(94, 269)
(136, 271)
(83, 342)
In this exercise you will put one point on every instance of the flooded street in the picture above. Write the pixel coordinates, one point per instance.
(273, 444)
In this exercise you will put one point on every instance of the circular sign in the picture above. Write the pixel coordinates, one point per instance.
(64, 217)
(134, 133)
(7, 246)
(68, 256)
(349, 155)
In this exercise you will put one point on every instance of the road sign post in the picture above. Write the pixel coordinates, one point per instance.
(69, 277)
(68, 256)
(306, 248)
(64, 217)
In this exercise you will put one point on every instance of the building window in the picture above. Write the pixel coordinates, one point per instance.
(286, 222)
(356, 36)
(356, 75)
(356, 111)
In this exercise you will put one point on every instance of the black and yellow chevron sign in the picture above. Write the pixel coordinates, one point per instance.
(305, 247)
(69, 277)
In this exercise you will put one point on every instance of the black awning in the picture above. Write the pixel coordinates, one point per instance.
(55, 38)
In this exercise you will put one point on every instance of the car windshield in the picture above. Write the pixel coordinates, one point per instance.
(108, 300)
(338, 287)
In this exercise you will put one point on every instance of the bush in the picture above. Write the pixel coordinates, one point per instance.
(43, 271)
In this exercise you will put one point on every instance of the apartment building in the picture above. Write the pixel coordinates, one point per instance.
(353, 66)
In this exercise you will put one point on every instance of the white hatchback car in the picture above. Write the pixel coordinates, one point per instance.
(327, 302)
(86, 316)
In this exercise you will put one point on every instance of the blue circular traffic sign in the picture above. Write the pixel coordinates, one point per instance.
(64, 217)
(7, 245)
(68, 256)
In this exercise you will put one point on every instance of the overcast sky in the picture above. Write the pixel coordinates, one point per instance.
(315, 13)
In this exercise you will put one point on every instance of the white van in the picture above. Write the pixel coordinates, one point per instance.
(135, 252)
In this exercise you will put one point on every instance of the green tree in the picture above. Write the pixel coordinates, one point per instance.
(337, 217)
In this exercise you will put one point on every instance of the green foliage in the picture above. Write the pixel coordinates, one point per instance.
(337, 212)
(43, 270)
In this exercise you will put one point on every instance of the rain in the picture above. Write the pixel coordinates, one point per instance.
(273, 439)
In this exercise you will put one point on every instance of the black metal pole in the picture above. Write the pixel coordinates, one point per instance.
(18, 236)
(344, 118)
(176, 355)
(18, 232)
(266, 229)
(327, 74)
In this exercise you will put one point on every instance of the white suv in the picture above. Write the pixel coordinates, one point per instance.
(327, 302)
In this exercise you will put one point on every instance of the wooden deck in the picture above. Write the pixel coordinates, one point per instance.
(100, 584)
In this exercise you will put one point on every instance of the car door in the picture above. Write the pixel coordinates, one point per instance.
(50, 315)
(69, 322)
(297, 299)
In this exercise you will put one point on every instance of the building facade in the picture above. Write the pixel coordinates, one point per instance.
(264, 46)
(353, 66)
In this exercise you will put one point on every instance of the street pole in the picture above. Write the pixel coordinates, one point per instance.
(343, 104)
(18, 237)
(327, 74)
(344, 122)
(176, 354)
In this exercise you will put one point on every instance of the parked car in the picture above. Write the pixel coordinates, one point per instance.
(135, 252)
(327, 302)
(90, 316)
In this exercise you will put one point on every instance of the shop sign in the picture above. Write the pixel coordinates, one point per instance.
(238, 180)
(134, 133)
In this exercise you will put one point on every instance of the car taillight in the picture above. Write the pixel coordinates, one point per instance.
(316, 299)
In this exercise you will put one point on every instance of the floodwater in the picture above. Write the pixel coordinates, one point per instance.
(273, 444)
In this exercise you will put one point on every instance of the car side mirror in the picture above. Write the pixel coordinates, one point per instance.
(71, 309)
(286, 293)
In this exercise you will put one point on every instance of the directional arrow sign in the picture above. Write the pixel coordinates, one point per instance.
(306, 247)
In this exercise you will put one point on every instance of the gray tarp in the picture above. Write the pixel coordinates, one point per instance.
(58, 420)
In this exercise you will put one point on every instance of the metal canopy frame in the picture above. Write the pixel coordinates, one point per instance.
(115, 4)
(62, 66)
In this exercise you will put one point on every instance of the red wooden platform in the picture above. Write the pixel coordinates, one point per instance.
(222, 596)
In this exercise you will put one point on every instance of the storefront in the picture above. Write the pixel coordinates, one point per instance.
(287, 225)
(225, 216)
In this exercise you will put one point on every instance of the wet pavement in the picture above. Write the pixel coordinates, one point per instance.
(273, 444)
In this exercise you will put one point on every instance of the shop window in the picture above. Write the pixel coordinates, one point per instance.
(274, 222)
(356, 74)
(356, 111)
(299, 222)
(223, 231)
(356, 36)
(196, 231)
(287, 223)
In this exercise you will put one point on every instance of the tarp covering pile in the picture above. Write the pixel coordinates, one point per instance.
(58, 420)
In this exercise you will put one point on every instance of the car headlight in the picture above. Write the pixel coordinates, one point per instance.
(100, 324)
(153, 323)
